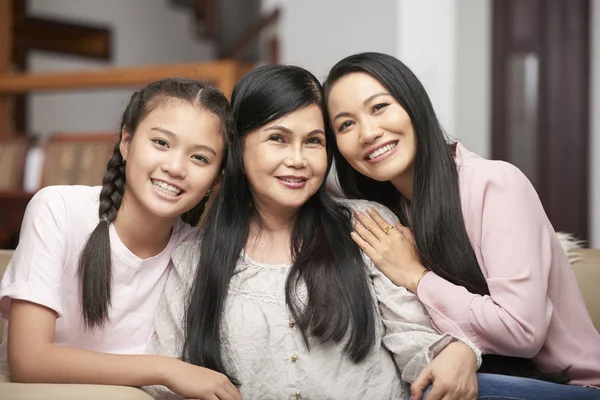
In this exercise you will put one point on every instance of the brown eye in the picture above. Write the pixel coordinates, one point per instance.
(276, 138)
(314, 140)
(161, 142)
(344, 125)
(378, 107)
(200, 158)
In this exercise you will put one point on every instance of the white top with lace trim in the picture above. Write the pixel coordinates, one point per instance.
(264, 350)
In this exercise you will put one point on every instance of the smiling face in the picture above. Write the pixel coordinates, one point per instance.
(286, 160)
(172, 159)
(373, 132)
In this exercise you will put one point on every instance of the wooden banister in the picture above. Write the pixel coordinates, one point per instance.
(223, 74)
(6, 45)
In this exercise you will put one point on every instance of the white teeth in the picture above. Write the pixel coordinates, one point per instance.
(381, 151)
(166, 188)
(295, 180)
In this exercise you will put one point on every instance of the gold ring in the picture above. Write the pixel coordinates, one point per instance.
(387, 229)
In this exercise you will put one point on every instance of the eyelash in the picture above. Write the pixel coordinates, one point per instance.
(374, 109)
(344, 125)
(164, 143)
(202, 159)
(276, 138)
(159, 141)
(380, 105)
(280, 139)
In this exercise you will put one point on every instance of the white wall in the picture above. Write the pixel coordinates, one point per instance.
(473, 75)
(448, 45)
(315, 34)
(595, 128)
(144, 32)
(427, 44)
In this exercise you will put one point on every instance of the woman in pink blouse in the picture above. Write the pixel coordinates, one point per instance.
(474, 242)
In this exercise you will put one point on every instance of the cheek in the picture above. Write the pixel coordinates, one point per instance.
(203, 178)
(318, 163)
(347, 146)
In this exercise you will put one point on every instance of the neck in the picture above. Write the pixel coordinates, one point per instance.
(144, 235)
(404, 183)
(273, 220)
(270, 235)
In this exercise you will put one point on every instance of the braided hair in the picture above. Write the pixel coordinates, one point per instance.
(94, 267)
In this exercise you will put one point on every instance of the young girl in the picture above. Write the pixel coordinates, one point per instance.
(92, 261)
(282, 300)
(475, 244)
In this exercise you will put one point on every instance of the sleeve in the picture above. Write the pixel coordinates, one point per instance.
(168, 336)
(516, 255)
(408, 335)
(35, 271)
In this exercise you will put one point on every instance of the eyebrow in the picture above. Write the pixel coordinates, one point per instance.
(365, 102)
(288, 131)
(196, 146)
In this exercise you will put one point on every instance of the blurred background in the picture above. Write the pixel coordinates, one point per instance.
(517, 80)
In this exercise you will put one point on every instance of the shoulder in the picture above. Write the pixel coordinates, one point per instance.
(480, 177)
(362, 205)
(68, 198)
(184, 231)
(186, 255)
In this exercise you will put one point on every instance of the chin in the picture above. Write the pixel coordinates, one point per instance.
(162, 211)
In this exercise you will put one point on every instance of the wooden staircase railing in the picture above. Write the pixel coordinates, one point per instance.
(223, 74)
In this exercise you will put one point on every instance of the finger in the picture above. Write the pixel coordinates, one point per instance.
(366, 247)
(370, 225)
(436, 393)
(381, 222)
(406, 232)
(233, 391)
(365, 233)
(420, 384)
(224, 394)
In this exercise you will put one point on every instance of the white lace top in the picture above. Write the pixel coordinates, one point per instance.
(265, 351)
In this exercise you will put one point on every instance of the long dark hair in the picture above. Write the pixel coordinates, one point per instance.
(94, 267)
(435, 217)
(324, 256)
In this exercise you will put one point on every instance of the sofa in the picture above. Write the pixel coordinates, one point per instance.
(585, 262)
(38, 391)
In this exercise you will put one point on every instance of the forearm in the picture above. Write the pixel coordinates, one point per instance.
(49, 363)
(515, 331)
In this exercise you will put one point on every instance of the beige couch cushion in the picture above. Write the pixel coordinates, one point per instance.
(43, 391)
(587, 270)
(4, 259)
(20, 391)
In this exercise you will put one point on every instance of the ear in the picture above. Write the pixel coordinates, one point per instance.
(125, 142)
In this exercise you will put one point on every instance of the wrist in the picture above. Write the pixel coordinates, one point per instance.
(164, 368)
(464, 348)
(417, 280)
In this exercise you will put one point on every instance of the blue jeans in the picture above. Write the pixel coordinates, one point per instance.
(502, 387)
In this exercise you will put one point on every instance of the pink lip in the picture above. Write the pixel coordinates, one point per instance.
(384, 156)
(292, 185)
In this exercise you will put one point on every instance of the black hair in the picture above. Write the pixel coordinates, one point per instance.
(94, 268)
(325, 258)
(435, 217)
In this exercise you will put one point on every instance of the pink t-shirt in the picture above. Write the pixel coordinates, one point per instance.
(43, 270)
(536, 309)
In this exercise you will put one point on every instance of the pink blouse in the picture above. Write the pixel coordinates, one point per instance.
(535, 309)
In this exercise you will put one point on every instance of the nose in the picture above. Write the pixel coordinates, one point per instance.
(369, 132)
(296, 159)
(174, 165)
